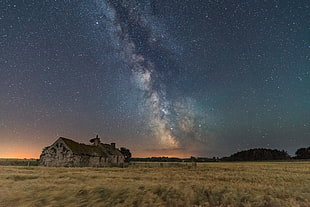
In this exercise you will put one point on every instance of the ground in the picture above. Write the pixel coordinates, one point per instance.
(247, 184)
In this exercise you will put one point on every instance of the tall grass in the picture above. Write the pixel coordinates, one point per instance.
(285, 184)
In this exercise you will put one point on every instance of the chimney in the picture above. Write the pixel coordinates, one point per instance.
(113, 145)
(95, 141)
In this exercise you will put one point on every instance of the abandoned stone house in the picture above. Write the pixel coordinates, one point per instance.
(68, 153)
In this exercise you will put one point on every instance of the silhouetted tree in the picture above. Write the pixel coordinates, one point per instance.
(127, 154)
(258, 155)
(303, 153)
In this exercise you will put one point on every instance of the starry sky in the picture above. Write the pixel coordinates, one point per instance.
(163, 78)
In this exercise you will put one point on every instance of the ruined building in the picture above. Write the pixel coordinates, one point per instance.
(68, 153)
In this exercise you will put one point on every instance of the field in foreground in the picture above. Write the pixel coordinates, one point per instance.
(261, 184)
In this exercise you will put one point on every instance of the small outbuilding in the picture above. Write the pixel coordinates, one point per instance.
(68, 153)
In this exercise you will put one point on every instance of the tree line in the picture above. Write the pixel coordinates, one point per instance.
(259, 154)
(256, 154)
(262, 154)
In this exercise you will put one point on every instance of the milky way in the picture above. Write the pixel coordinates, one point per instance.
(169, 121)
(163, 78)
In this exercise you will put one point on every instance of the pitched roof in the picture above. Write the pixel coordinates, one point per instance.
(103, 150)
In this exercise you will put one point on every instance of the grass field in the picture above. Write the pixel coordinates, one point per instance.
(260, 184)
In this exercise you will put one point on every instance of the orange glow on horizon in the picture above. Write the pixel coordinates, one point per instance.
(137, 155)
(20, 152)
(20, 156)
(140, 154)
(159, 153)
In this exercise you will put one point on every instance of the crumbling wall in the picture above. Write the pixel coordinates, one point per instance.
(59, 155)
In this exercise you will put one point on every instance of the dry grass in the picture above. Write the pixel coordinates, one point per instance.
(275, 184)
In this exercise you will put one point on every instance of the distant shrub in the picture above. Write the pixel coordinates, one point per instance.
(303, 153)
(259, 154)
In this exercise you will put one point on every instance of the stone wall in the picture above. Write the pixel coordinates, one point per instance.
(59, 155)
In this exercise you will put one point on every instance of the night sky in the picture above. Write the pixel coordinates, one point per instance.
(162, 78)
